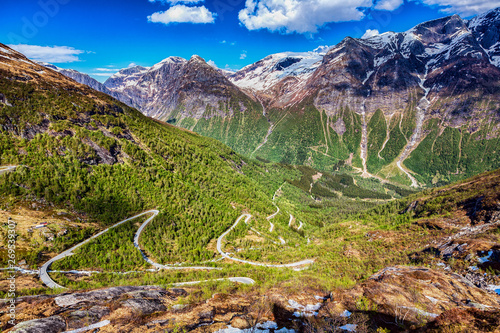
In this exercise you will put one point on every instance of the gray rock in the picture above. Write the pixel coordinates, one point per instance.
(148, 293)
(159, 322)
(177, 292)
(144, 306)
(52, 324)
(99, 295)
(177, 307)
(81, 318)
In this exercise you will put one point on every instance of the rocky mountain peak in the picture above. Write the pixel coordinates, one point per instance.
(486, 30)
(197, 58)
(440, 30)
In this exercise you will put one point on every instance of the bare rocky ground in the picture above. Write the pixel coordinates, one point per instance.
(399, 298)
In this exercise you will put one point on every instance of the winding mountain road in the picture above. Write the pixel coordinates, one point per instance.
(7, 168)
(44, 275)
(155, 264)
(45, 268)
(227, 256)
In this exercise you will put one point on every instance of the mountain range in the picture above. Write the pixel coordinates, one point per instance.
(417, 107)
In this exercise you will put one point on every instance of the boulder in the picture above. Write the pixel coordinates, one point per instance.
(144, 306)
(52, 324)
(419, 294)
(81, 318)
(100, 295)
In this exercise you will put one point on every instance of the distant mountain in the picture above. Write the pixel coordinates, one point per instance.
(486, 30)
(87, 80)
(279, 75)
(194, 95)
(416, 107)
(161, 91)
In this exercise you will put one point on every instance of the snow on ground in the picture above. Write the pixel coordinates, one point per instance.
(494, 288)
(349, 327)
(273, 68)
(259, 328)
(346, 314)
(5, 50)
(380, 41)
(486, 258)
(308, 310)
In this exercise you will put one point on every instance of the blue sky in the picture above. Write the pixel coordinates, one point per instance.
(99, 37)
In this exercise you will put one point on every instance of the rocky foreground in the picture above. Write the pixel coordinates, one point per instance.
(399, 298)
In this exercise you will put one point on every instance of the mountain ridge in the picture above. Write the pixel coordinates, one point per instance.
(437, 78)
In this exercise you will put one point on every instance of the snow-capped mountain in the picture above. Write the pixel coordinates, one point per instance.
(265, 73)
(126, 77)
(486, 29)
(384, 104)
(176, 84)
(436, 58)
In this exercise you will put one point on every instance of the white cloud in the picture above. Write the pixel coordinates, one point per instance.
(212, 63)
(243, 55)
(223, 42)
(183, 14)
(173, 2)
(50, 54)
(302, 16)
(132, 64)
(463, 7)
(370, 33)
(106, 69)
(388, 4)
(102, 74)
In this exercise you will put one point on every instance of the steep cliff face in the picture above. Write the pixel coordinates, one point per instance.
(486, 30)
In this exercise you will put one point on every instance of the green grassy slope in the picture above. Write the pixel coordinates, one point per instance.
(84, 149)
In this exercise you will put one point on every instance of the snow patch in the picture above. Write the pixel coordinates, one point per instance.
(259, 328)
(494, 288)
(346, 314)
(321, 298)
(308, 310)
(486, 258)
(367, 77)
(349, 327)
(4, 50)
